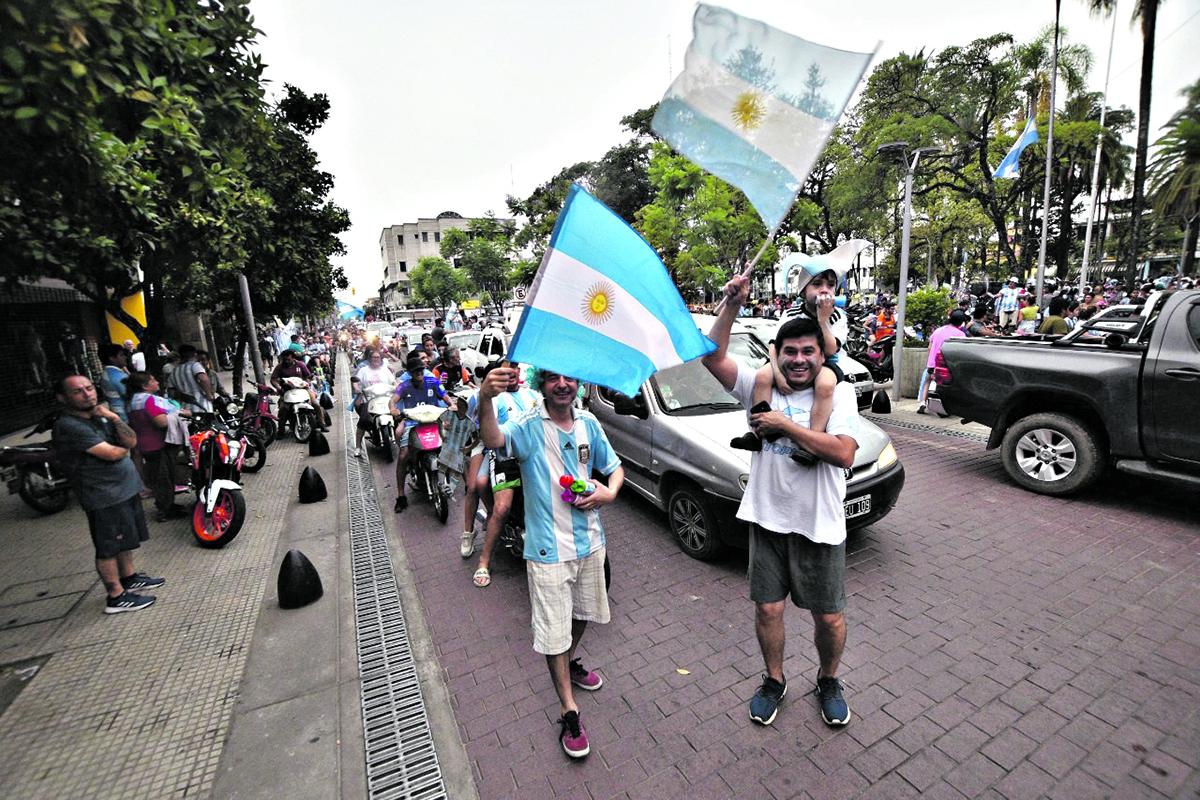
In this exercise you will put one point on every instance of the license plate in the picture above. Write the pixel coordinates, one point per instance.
(858, 507)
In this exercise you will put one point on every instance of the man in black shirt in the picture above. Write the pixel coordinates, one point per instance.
(93, 446)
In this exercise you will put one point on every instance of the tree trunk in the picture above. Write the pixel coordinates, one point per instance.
(239, 362)
(1066, 227)
(1149, 21)
(1189, 245)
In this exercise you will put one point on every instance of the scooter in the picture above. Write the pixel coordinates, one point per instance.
(217, 458)
(32, 471)
(295, 406)
(383, 425)
(258, 416)
(425, 442)
(879, 358)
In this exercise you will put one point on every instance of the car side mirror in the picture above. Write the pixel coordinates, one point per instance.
(631, 406)
(1115, 341)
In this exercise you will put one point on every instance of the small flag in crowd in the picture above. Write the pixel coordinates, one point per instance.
(602, 307)
(1008, 167)
(755, 106)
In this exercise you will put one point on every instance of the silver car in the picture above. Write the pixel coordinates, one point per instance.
(673, 440)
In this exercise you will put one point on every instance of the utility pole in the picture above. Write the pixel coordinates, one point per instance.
(1041, 270)
(251, 330)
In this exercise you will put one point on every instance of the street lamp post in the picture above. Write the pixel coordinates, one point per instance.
(901, 149)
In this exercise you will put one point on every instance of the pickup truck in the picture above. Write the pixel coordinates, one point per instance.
(1121, 390)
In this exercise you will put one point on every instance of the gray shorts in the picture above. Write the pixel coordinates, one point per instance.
(783, 564)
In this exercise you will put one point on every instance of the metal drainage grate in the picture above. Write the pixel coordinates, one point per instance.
(401, 760)
(917, 426)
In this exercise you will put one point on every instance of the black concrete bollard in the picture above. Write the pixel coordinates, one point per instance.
(298, 584)
(312, 487)
(318, 445)
(881, 403)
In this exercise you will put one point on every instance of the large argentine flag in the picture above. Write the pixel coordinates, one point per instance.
(1008, 167)
(602, 307)
(755, 105)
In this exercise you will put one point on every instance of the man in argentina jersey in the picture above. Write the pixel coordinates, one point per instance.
(564, 542)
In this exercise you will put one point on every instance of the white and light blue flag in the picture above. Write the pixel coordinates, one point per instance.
(603, 308)
(347, 311)
(755, 106)
(1009, 167)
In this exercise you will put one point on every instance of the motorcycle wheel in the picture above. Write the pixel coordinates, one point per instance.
(267, 430)
(304, 426)
(388, 454)
(441, 505)
(227, 517)
(513, 539)
(256, 454)
(39, 499)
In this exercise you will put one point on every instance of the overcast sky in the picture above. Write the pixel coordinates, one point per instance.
(442, 106)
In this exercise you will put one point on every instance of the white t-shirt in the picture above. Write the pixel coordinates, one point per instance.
(783, 496)
(368, 376)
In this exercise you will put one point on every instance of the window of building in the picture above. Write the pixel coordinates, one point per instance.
(424, 236)
(400, 239)
(404, 266)
(437, 236)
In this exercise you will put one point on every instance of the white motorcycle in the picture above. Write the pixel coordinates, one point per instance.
(383, 424)
(295, 406)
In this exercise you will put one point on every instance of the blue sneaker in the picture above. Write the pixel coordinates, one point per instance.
(140, 580)
(834, 709)
(765, 703)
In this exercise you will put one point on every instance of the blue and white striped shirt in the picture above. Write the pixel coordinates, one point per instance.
(555, 531)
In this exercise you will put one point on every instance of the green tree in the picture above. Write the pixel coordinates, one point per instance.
(929, 308)
(1175, 173)
(436, 283)
(487, 253)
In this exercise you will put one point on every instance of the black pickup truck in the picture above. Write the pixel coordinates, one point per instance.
(1122, 389)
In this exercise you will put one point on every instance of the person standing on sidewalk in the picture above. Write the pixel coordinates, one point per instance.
(93, 446)
(564, 542)
(797, 520)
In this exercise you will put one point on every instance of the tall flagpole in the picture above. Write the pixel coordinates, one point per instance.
(1041, 272)
(1087, 239)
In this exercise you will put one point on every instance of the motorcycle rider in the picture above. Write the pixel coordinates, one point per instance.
(290, 366)
(416, 387)
(885, 322)
(374, 372)
(503, 474)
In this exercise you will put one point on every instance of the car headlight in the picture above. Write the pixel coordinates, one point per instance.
(743, 479)
(887, 457)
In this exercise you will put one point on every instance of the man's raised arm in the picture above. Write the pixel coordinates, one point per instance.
(718, 362)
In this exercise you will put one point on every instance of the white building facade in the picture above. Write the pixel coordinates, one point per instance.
(402, 246)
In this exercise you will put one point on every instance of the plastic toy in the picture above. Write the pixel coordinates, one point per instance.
(575, 488)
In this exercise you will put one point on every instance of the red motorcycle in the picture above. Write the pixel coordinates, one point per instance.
(217, 459)
(256, 413)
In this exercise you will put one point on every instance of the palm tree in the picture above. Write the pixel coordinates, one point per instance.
(1175, 172)
(1145, 11)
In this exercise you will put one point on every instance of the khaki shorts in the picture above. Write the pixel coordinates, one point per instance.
(560, 593)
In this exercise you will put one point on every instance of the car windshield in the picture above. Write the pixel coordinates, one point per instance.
(465, 339)
(691, 389)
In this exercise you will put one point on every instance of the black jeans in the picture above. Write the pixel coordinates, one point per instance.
(160, 475)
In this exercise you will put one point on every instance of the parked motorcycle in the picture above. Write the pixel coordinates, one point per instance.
(425, 444)
(383, 425)
(879, 358)
(258, 416)
(217, 459)
(32, 471)
(296, 408)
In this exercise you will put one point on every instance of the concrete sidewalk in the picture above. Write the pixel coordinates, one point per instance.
(214, 690)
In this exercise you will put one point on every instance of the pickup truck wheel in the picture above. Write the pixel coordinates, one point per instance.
(693, 523)
(1051, 454)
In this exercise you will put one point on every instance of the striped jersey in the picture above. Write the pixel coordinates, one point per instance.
(555, 530)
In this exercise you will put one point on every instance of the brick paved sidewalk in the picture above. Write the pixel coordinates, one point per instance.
(133, 705)
(1001, 644)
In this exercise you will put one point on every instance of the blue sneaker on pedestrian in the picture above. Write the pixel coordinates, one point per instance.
(765, 703)
(834, 709)
(128, 601)
(140, 580)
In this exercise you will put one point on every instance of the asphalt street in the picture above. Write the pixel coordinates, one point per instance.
(1001, 644)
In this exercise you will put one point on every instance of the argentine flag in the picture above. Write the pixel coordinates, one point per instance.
(603, 308)
(1008, 167)
(755, 106)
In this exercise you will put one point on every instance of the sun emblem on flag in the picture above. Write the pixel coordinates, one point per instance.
(597, 303)
(748, 110)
